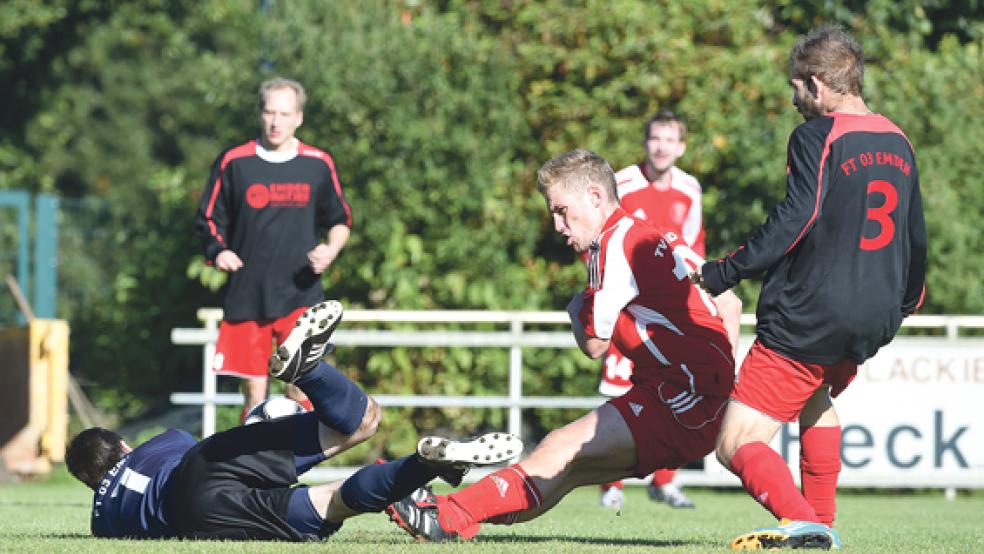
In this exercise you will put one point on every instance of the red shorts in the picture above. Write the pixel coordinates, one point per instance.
(669, 428)
(244, 347)
(779, 387)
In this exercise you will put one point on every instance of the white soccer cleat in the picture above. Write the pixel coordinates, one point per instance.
(307, 342)
(671, 495)
(488, 449)
(613, 497)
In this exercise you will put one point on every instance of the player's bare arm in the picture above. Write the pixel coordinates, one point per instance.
(323, 255)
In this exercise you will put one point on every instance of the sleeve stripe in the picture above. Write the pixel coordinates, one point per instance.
(816, 206)
(240, 151)
(338, 191)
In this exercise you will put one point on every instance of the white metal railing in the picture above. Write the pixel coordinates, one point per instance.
(515, 338)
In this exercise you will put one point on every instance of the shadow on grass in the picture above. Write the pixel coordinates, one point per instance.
(22, 504)
(581, 540)
(36, 536)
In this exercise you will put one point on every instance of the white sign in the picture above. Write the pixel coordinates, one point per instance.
(913, 417)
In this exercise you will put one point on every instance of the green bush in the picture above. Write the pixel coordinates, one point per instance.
(438, 115)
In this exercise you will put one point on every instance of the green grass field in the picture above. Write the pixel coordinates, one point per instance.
(53, 517)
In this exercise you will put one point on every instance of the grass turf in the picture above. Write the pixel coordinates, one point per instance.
(52, 516)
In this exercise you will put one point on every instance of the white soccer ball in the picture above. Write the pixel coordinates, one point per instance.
(272, 408)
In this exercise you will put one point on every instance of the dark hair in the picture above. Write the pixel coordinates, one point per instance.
(831, 55)
(666, 117)
(92, 453)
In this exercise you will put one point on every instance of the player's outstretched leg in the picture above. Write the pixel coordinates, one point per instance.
(417, 513)
(307, 342)
(789, 534)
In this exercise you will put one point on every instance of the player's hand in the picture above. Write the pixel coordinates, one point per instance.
(227, 260)
(320, 257)
(697, 278)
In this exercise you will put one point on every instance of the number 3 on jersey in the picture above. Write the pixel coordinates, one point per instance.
(881, 215)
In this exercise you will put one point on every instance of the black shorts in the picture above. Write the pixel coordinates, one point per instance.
(236, 485)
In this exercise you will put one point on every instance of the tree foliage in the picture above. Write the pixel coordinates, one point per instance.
(438, 115)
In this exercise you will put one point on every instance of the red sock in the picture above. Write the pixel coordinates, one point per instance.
(306, 403)
(766, 477)
(499, 494)
(820, 465)
(612, 485)
(663, 477)
(242, 415)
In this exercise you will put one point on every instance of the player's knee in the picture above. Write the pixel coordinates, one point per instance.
(725, 448)
(370, 420)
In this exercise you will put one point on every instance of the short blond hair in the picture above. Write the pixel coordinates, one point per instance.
(576, 171)
(279, 83)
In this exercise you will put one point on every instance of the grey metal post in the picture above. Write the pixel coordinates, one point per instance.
(516, 378)
(209, 381)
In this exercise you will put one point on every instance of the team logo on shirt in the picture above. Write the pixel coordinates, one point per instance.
(278, 195)
(679, 212)
(636, 408)
(258, 196)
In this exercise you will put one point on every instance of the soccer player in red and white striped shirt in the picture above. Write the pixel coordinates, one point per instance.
(663, 195)
(638, 297)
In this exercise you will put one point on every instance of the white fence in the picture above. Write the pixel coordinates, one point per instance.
(948, 450)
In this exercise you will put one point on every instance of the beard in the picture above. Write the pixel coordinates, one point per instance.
(809, 108)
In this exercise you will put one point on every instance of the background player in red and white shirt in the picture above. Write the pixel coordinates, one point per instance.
(261, 218)
(658, 192)
(638, 297)
(845, 259)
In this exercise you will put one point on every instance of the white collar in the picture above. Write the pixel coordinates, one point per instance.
(278, 157)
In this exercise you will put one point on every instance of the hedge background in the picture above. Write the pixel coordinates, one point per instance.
(438, 114)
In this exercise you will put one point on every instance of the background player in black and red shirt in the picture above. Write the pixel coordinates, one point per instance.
(262, 218)
(844, 255)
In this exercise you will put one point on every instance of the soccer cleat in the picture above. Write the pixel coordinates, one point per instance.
(422, 494)
(419, 519)
(488, 449)
(613, 497)
(307, 342)
(789, 534)
(669, 494)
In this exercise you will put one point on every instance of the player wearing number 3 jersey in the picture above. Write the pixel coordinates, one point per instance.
(844, 255)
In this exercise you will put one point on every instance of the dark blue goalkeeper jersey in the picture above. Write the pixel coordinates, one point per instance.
(845, 252)
(129, 501)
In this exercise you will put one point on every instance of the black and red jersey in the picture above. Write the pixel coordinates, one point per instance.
(845, 251)
(271, 209)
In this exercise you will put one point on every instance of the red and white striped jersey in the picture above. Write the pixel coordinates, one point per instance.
(640, 297)
(676, 209)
